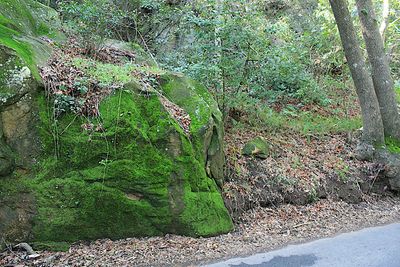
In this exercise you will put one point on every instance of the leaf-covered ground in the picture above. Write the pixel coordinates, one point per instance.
(299, 170)
(259, 230)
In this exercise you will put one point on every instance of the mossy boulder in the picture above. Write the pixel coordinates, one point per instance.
(258, 147)
(131, 171)
(22, 24)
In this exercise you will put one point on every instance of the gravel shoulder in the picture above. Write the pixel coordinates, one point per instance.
(259, 230)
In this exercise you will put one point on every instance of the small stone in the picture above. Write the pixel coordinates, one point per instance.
(257, 147)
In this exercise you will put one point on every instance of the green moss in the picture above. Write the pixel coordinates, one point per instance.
(29, 17)
(202, 201)
(197, 212)
(206, 120)
(106, 74)
(7, 23)
(9, 38)
(108, 168)
(192, 96)
(258, 147)
(20, 14)
(122, 181)
(43, 29)
(21, 21)
(196, 101)
(71, 209)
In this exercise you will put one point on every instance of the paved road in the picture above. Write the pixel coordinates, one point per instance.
(371, 247)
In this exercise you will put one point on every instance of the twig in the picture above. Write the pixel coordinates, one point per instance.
(300, 225)
(375, 178)
(290, 229)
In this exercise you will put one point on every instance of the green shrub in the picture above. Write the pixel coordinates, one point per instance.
(93, 21)
(238, 52)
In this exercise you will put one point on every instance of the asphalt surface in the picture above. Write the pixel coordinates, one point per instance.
(371, 247)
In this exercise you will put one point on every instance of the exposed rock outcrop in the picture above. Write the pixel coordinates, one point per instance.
(130, 171)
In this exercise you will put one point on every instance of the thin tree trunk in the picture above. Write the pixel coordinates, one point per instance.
(372, 121)
(385, 18)
(218, 43)
(380, 70)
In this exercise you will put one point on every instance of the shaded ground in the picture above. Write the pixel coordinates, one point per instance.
(299, 170)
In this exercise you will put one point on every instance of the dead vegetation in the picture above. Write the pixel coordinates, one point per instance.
(71, 88)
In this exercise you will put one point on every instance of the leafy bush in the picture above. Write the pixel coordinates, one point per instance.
(236, 50)
(93, 21)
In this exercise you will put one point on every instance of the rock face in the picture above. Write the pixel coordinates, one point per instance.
(132, 171)
(21, 22)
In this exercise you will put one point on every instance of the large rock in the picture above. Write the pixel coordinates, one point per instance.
(132, 171)
(22, 23)
(138, 174)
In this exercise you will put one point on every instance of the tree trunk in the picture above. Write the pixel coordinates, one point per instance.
(385, 19)
(380, 70)
(372, 121)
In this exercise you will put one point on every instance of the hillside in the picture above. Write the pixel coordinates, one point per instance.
(158, 133)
